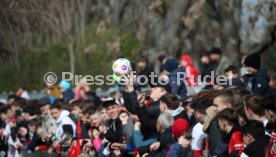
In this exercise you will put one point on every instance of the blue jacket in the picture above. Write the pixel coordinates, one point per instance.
(257, 83)
(177, 82)
(68, 95)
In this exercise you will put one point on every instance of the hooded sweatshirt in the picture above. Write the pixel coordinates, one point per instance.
(190, 70)
(64, 119)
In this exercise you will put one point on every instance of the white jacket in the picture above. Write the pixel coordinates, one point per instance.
(62, 120)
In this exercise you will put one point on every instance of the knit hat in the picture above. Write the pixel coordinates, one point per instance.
(65, 85)
(215, 50)
(179, 126)
(170, 65)
(253, 60)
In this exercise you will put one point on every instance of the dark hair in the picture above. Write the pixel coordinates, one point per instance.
(229, 115)
(239, 93)
(232, 69)
(254, 103)
(4, 109)
(76, 103)
(29, 109)
(188, 134)
(12, 96)
(270, 102)
(254, 128)
(143, 59)
(93, 98)
(108, 103)
(201, 104)
(239, 110)
(215, 50)
(55, 106)
(170, 100)
(34, 122)
(19, 102)
(227, 96)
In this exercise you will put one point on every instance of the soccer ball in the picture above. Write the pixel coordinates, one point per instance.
(121, 67)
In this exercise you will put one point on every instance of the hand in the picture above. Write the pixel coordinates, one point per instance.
(96, 133)
(50, 151)
(117, 152)
(118, 146)
(137, 126)
(128, 81)
(141, 99)
(134, 118)
(36, 148)
(154, 146)
(103, 129)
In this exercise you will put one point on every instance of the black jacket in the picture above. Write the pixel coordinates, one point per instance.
(114, 134)
(256, 148)
(215, 139)
(147, 114)
(258, 83)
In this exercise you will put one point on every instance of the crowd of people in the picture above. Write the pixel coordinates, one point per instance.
(154, 120)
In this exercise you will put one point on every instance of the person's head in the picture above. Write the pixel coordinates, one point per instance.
(11, 99)
(187, 104)
(76, 108)
(239, 94)
(169, 102)
(142, 62)
(28, 112)
(185, 139)
(104, 114)
(44, 104)
(55, 111)
(95, 118)
(64, 85)
(170, 65)
(164, 121)
(227, 119)
(215, 54)
(239, 110)
(20, 90)
(179, 126)
(224, 99)
(33, 125)
(200, 104)
(252, 63)
(253, 107)
(204, 59)
(270, 107)
(186, 60)
(231, 72)
(252, 130)
(4, 113)
(156, 92)
(112, 109)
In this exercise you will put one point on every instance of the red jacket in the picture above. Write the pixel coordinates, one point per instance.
(271, 151)
(190, 70)
(236, 142)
